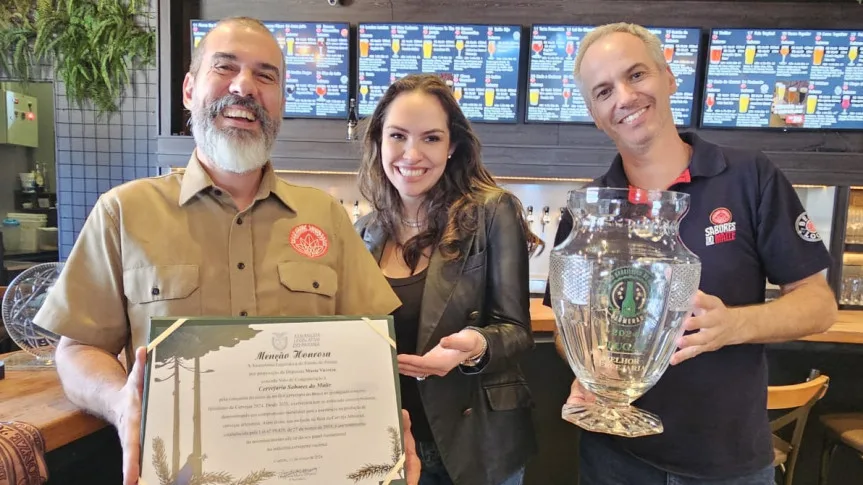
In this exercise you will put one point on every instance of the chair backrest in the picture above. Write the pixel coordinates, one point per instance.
(796, 395)
(800, 398)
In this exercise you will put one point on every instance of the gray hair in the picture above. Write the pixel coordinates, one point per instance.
(198, 53)
(651, 42)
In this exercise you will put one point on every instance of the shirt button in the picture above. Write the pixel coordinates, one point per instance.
(241, 266)
(240, 221)
(243, 313)
(473, 315)
(315, 285)
(155, 291)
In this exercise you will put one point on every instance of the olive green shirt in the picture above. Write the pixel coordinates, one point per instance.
(177, 246)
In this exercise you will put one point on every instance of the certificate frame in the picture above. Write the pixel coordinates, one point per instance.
(186, 342)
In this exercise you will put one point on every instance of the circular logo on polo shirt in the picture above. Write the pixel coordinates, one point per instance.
(720, 215)
(806, 228)
(309, 240)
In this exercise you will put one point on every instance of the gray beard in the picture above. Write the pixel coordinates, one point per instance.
(234, 151)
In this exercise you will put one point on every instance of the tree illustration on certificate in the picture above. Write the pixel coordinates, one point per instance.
(175, 356)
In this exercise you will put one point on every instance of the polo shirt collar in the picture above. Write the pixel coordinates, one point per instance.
(707, 161)
(196, 179)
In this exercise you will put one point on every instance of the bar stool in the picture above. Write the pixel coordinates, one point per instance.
(799, 397)
(842, 429)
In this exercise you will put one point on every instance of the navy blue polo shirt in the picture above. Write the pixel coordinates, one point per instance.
(748, 226)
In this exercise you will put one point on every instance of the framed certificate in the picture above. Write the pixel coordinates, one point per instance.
(312, 400)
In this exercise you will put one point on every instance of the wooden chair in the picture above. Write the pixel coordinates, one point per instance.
(800, 398)
(842, 429)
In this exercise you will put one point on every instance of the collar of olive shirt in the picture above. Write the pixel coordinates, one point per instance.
(196, 180)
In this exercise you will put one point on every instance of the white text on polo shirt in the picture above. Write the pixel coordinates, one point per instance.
(720, 233)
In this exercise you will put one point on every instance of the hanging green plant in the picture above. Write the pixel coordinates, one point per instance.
(92, 44)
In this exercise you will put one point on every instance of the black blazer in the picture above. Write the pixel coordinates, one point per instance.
(480, 417)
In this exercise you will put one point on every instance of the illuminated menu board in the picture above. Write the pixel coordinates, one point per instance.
(553, 96)
(481, 62)
(316, 66)
(788, 79)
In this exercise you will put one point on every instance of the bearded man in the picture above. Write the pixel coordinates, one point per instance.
(225, 237)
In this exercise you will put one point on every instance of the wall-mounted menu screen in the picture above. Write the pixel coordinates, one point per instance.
(316, 65)
(553, 96)
(480, 61)
(786, 79)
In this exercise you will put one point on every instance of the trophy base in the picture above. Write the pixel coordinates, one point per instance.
(627, 421)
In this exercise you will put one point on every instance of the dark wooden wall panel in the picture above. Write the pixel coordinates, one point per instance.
(528, 150)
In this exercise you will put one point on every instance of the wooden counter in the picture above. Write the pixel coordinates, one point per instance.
(848, 328)
(36, 397)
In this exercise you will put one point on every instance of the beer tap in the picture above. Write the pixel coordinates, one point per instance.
(530, 216)
(560, 216)
(546, 218)
(356, 210)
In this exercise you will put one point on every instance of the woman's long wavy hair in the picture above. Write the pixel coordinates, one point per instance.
(452, 205)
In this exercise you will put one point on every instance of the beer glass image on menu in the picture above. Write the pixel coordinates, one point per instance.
(427, 49)
(396, 45)
(784, 50)
(492, 48)
(852, 53)
(570, 49)
(811, 104)
(364, 90)
(459, 46)
(364, 47)
(489, 96)
(802, 93)
(289, 46)
(749, 54)
(715, 54)
(537, 47)
(668, 51)
(458, 93)
(534, 96)
(794, 95)
(779, 93)
(743, 103)
(846, 102)
(818, 55)
(711, 100)
(621, 287)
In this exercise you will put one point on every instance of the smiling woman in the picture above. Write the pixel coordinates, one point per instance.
(454, 246)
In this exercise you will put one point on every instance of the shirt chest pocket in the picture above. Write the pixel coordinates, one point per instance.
(163, 291)
(307, 289)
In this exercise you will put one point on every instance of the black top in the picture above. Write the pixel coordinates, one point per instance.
(747, 225)
(406, 320)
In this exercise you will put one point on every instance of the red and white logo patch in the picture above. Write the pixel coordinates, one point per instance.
(724, 229)
(806, 228)
(309, 240)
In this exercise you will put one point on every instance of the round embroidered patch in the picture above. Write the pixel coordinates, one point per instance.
(806, 228)
(720, 215)
(309, 240)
